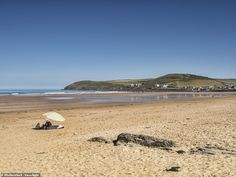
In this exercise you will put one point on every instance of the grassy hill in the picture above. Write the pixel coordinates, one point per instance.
(176, 81)
(182, 80)
(95, 85)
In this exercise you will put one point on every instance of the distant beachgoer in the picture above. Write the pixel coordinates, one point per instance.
(48, 123)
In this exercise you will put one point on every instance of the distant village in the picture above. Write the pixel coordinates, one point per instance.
(157, 86)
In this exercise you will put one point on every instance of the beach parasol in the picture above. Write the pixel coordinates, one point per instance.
(54, 116)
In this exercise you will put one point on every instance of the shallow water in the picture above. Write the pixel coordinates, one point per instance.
(135, 98)
(93, 97)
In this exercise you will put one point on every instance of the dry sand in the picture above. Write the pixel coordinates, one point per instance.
(67, 152)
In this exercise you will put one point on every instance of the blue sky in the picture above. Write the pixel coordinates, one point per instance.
(49, 44)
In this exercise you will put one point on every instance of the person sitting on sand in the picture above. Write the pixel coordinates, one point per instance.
(48, 123)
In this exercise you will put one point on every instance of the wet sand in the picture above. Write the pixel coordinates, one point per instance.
(69, 101)
(66, 152)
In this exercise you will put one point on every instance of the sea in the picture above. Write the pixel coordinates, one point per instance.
(42, 92)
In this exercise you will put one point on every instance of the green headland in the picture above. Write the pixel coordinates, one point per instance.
(169, 82)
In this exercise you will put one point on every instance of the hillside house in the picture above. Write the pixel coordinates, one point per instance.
(157, 85)
(138, 85)
(165, 86)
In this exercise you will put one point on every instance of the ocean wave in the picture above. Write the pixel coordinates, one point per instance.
(14, 94)
(54, 93)
(80, 92)
(42, 92)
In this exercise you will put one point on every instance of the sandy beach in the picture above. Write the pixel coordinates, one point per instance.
(189, 123)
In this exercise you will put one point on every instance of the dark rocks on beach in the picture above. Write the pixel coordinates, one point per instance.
(201, 150)
(143, 140)
(98, 139)
(180, 151)
(212, 150)
(174, 169)
(40, 152)
(166, 148)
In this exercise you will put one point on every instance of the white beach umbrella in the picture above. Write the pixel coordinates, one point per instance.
(54, 116)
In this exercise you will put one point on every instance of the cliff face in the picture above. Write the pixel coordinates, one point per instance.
(170, 81)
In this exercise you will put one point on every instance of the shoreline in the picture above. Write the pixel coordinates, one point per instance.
(61, 101)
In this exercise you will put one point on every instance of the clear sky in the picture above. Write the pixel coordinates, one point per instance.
(49, 44)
